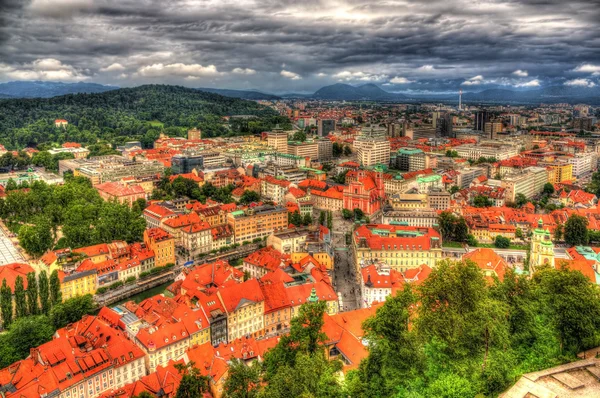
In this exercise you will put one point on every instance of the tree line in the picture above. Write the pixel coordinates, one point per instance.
(75, 209)
(129, 114)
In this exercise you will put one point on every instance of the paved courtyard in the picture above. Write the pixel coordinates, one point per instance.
(8, 252)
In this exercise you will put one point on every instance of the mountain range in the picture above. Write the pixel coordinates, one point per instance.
(335, 92)
(39, 89)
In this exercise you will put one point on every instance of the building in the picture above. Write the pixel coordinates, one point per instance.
(562, 172)
(583, 123)
(278, 140)
(78, 283)
(487, 149)
(289, 241)
(121, 192)
(194, 134)
(274, 189)
(162, 244)
(325, 126)
(438, 198)
(372, 148)
(414, 218)
(196, 239)
(325, 149)
(111, 168)
(77, 152)
(378, 282)
(492, 128)
(257, 222)
(583, 163)
(491, 264)
(183, 164)
(245, 308)
(83, 360)
(408, 159)
(528, 182)
(331, 199)
(481, 118)
(400, 247)
(542, 248)
(364, 191)
(306, 149)
(61, 123)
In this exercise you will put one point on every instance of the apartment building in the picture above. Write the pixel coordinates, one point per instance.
(486, 149)
(257, 222)
(306, 149)
(245, 308)
(196, 239)
(274, 189)
(278, 140)
(162, 244)
(529, 182)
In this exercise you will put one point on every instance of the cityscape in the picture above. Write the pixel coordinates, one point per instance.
(199, 201)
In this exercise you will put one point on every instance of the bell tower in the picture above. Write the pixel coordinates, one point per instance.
(542, 248)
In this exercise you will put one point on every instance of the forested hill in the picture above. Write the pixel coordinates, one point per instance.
(128, 113)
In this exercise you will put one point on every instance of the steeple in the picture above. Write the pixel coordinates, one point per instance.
(313, 296)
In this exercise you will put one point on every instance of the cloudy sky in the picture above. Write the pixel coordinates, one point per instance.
(299, 46)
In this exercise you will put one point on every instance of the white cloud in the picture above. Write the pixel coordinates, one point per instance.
(244, 71)
(521, 73)
(360, 76)
(290, 75)
(321, 74)
(588, 68)
(532, 83)
(401, 80)
(426, 68)
(43, 69)
(113, 68)
(580, 83)
(189, 71)
(474, 81)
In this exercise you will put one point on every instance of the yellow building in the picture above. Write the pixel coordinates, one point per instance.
(400, 247)
(257, 222)
(162, 244)
(323, 258)
(562, 172)
(77, 283)
(245, 307)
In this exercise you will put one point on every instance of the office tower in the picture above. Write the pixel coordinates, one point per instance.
(481, 118)
(325, 126)
(278, 140)
(492, 128)
(372, 148)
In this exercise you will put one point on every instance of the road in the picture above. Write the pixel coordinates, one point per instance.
(344, 272)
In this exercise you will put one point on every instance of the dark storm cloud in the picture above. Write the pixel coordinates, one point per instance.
(289, 45)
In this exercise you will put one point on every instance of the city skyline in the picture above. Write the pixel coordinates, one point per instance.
(281, 46)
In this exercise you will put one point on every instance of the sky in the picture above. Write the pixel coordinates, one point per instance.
(299, 46)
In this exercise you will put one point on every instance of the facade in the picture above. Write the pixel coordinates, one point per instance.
(277, 139)
(288, 241)
(542, 248)
(196, 239)
(274, 189)
(497, 150)
(414, 218)
(325, 150)
(245, 307)
(372, 148)
(122, 193)
(400, 247)
(194, 134)
(529, 182)
(257, 222)
(325, 126)
(407, 159)
(78, 283)
(183, 164)
(492, 128)
(438, 199)
(364, 191)
(306, 149)
(331, 199)
(162, 244)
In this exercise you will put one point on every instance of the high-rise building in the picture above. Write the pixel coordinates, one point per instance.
(304, 149)
(277, 139)
(492, 128)
(394, 130)
(481, 118)
(582, 123)
(182, 164)
(325, 149)
(372, 148)
(194, 134)
(325, 126)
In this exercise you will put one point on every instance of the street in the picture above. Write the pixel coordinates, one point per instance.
(345, 279)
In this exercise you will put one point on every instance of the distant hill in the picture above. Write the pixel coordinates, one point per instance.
(243, 94)
(39, 89)
(129, 113)
(346, 92)
(552, 94)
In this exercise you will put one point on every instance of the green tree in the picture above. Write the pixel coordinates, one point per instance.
(472, 241)
(71, 310)
(454, 189)
(295, 218)
(44, 292)
(519, 233)
(520, 200)
(548, 189)
(243, 381)
(20, 300)
(358, 214)
(347, 214)
(347, 150)
(144, 394)
(55, 292)
(575, 230)
(299, 136)
(36, 239)
(330, 219)
(501, 242)
(572, 304)
(322, 218)
(307, 219)
(559, 232)
(193, 384)
(482, 201)
(23, 335)
(249, 197)
(32, 294)
(6, 304)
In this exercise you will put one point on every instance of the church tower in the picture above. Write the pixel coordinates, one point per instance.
(542, 248)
